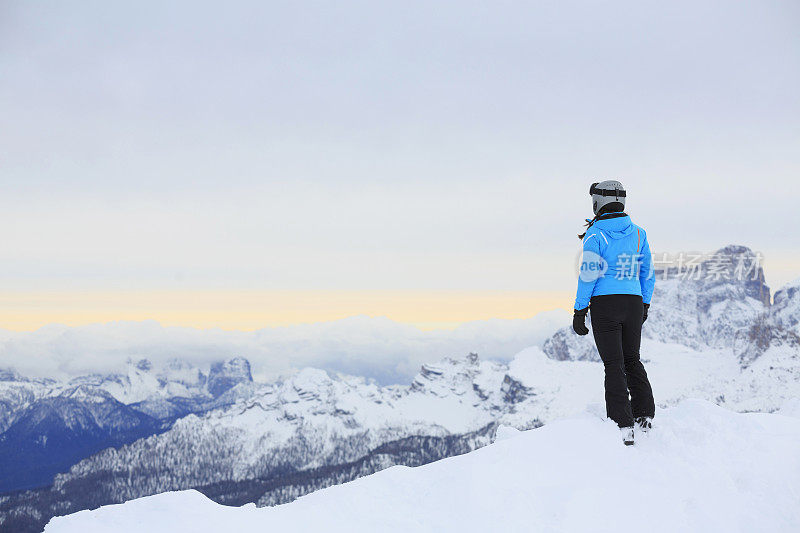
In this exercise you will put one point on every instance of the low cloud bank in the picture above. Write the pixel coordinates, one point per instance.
(378, 348)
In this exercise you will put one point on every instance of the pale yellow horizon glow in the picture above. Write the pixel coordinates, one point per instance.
(250, 310)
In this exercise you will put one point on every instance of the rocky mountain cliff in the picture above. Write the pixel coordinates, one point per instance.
(711, 303)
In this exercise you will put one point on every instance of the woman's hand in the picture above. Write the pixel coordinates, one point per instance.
(644, 316)
(579, 321)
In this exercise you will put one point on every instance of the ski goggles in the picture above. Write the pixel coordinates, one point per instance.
(619, 193)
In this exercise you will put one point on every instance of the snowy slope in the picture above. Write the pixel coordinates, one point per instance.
(560, 388)
(702, 468)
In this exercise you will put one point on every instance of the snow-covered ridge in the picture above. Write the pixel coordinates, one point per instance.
(147, 387)
(701, 468)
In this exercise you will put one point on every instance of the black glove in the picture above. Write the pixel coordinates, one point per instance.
(579, 321)
(644, 316)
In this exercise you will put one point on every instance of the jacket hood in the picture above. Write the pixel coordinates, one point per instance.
(616, 228)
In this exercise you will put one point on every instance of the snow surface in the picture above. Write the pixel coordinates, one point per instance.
(702, 468)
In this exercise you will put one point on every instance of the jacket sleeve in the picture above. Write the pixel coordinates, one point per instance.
(586, 283)
(646, 275)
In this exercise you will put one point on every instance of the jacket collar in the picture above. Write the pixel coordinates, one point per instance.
(606, 216)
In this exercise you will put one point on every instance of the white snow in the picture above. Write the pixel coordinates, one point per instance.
(791, 408)
(676, 372)
(506, 432)
(702, 468)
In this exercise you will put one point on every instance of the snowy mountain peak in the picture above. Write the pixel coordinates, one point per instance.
(785, 310)
(733, 264)
(776, 328)
(225, 375)
(144, 365)
(87, 393)
(447, 375)
(7, 374)
(705, 299)
(565, 345)
(310, 383)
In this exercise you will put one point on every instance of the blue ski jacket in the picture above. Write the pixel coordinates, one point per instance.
(616, 260)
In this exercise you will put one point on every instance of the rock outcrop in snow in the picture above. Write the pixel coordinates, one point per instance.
(565, 345)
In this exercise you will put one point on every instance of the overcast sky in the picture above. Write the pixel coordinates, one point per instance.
(364, 146)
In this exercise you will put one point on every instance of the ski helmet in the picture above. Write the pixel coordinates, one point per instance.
(607, 192)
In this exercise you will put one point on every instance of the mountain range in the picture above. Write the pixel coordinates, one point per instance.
(700, 468)
(106, 438)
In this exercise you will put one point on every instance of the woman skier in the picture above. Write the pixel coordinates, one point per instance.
(616, 282)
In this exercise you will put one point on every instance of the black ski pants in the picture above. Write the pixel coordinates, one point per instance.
(617, 329)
